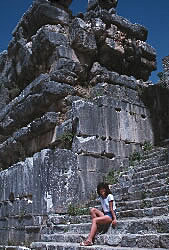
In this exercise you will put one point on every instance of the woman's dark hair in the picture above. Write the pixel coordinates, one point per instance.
(105, 186)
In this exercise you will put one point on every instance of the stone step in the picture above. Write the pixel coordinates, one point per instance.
(67, 219)
(76, 246)
(151, 178)
(143, 194)
(142, 172)
(148, 178)
(153, 171)
(146, 203)
(120, 240)
(14, 248)
(147, 207)
(158, 224)
(149, 212)
(145, 171)
(148, 185)
(151, 159)
(155, 151)
(143, 190)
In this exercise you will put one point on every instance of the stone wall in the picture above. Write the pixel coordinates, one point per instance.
(71, 109)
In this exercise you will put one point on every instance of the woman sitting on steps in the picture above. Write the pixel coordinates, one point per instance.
(106, 217)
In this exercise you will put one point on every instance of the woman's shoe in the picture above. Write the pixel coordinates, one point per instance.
(86, 243)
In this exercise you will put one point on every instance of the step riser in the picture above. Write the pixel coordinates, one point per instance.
(159, 202)
(154, 184)
(150, 178)
(146, 166)
(144, 212)
(161, 191)
(132, 227)
(54, 220)
(132, 241)
(133, 185)
(152, 241)
(153, 171)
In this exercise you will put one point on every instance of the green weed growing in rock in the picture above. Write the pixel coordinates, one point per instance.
(136, 156)
(147, 146)
(66, 139)
(111, 177)
(77, 210)
(65, 230)
(143, 195)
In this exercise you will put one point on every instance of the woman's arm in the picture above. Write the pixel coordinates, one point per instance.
(114, 220)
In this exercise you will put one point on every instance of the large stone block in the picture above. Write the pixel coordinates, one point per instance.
(17, 181)
(40, 92)
(83, 41)
(133, 30)
(23, 142)
(100, 147)
(105, 4)
(40, 14)
(45, 42)
(91, 120)
(113, 119)
(46, 182)
(65, 3)
(92, 171)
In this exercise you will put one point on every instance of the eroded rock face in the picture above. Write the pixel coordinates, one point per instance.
(105, 4)
(65, 3)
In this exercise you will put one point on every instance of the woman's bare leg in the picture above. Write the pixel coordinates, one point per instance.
(99, 220)
(96, 213)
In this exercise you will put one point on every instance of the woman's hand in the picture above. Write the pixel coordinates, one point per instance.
(114, 222)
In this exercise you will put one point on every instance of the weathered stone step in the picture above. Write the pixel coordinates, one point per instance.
(145, 171)
(150, 159)
(150, 178)
(149, 185)
(137, 169)
(143, 194)
(128, 240)
(157, 224)
(142, 188)
(155, 151)
(153, 171)
(150, 212)
(146, 203)
(67, 219)
(76, 246)
(14, 248)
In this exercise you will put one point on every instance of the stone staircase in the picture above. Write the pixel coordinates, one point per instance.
(142, 197)
(143, 218)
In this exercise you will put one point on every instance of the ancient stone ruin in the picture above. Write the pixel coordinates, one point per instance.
(76, 106)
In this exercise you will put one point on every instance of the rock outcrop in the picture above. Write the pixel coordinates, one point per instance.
(75, 103)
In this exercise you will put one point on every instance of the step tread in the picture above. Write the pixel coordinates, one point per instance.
(142, 209)
(140, 170)
(85, 234)
(98, 247)
(129, 219)
(151, 191)
(147, 199)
